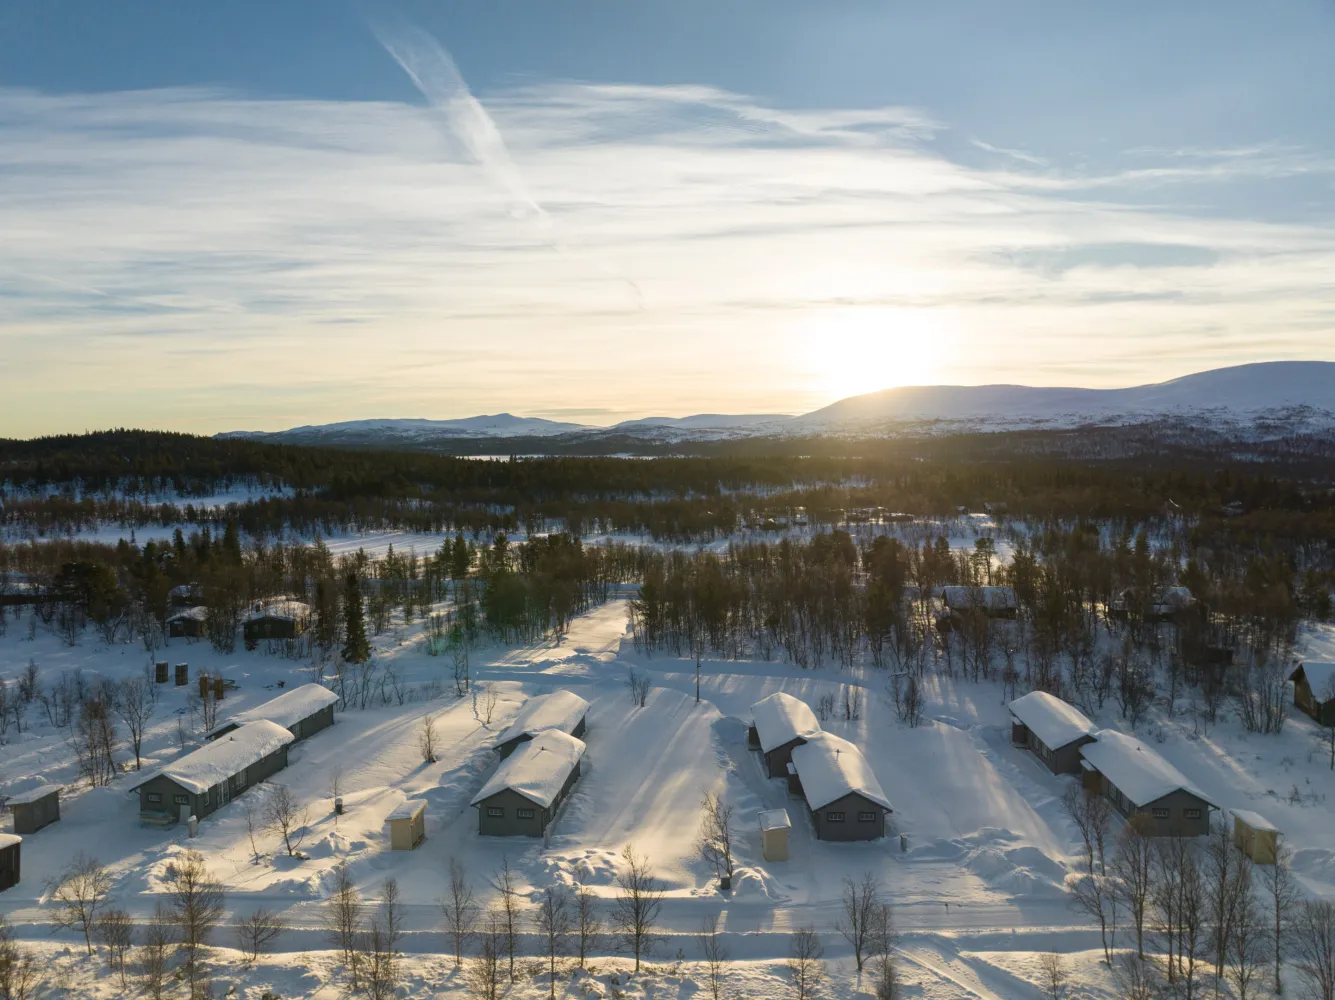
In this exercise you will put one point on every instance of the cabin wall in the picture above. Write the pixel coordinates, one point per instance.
(852, 826)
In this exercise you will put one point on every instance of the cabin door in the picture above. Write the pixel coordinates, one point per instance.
(224, 793)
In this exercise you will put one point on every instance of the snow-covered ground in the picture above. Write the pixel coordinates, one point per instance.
(977, 891)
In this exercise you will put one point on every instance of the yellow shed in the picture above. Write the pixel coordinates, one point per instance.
(407, 825)
(774, 827)
(1255, 836)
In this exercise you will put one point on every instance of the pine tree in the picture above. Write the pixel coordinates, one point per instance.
(460, 558)
(356, 649)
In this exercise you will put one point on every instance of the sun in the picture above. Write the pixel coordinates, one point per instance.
(853, 350)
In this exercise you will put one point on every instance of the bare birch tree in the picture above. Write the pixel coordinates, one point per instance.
(639, 901)
(554, 923)
(857, 919)
(714, 952)
(460, 909)
(804, 963)
(79, 893)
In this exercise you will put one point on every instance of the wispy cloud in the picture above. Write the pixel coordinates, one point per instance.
(161, 243)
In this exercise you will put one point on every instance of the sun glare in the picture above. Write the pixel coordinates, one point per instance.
(855, 350)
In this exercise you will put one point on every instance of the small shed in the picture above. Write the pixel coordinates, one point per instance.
(774, 827)
(407, 825)
(1314, 690)
(1255, 836)
(9, 860)
(35, 808)
(188, 623)
(282, 620)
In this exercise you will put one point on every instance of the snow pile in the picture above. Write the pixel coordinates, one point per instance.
(537, 770)
(753, 885)
(214, 763)
(1050, 719)
(1137, 771)
(830, 768)
(290, 707)
(560, 710)
(781, 718)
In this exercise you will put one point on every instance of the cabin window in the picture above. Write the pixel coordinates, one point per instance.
(1191, 813)
(866, 817)
(495, 812)
(204, 799)
(154, 796)
(239, 779)
(181, 800)
(524, 813)
(1159, 813)
(834, 817)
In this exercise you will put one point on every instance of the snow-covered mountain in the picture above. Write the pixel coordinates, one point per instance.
(499, 425)
(1241, 393)
(1275, 395)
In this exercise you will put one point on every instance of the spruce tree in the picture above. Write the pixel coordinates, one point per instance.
(356, 649)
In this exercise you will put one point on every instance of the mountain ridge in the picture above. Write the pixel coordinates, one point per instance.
(1268, 390)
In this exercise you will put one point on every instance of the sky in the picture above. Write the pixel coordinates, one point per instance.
(255, 215)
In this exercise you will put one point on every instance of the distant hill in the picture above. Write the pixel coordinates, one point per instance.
(1269, 393)
(1241, 393)
(500, 425)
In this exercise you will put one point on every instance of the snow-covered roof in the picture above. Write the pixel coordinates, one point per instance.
(288, 610)
(774, 819)
(830, 768)
(1174, 597)
(9, 839)
(1138, 772)
(288, 708)
(406, 809)
(560, 710)
(781, 718)
(214, 762)
(988, 598)
(1320, 677)
(1050, 719)
(537, 770)
(190, 614)
(33, 794)
(1255, 820)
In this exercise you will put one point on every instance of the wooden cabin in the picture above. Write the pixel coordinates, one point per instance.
(1314, 690)
(10, 850)
(35, 808)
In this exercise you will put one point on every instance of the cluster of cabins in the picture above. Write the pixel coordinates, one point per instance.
(540, 756)
(841, 792)
(1138, 782)
(284, 619)
(33, 809)
(241, 752)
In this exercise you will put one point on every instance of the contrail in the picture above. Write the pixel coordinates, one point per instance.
(433, 71)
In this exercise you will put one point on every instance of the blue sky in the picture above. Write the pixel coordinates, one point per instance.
(248, 214)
